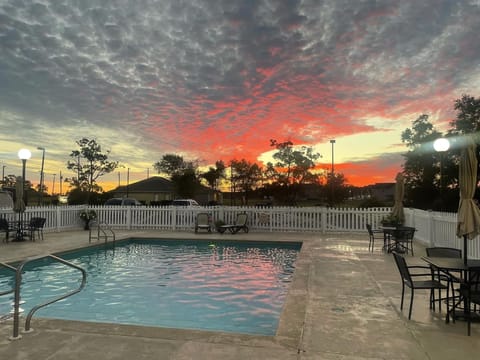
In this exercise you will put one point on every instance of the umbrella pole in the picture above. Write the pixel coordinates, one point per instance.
(465, 256)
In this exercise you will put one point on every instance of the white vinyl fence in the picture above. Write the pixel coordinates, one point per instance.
(433, 228)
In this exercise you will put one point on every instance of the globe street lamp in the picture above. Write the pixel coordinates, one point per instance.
(441, 145)
(41, 174)
(24, 155)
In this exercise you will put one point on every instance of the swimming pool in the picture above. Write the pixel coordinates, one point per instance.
(231, 286)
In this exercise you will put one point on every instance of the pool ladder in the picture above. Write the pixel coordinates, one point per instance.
(104, 231)
(16, 290)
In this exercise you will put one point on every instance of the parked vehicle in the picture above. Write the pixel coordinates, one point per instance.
(123, 202)
(184, 202)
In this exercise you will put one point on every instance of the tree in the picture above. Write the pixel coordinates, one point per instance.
(90, 164)
(431, 177)
(336, 189)
(183, 174)
(421, 163)
(214, 174)
(9, 181)
(293, 167)
(468, 115)
(244, 176)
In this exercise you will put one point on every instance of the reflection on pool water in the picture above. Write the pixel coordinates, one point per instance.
(221, 286)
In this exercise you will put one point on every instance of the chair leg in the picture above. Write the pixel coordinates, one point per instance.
(403, 293)
(469, 319)
(411, 304)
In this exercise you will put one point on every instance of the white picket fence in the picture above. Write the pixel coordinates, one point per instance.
(433, 228)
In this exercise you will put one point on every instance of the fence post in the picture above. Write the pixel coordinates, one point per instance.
(129, 217)
(58, 219)
(429, 230)
(174, 218)
(323, 223)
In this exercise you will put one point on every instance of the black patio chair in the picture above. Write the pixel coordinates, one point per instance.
(470, 293)
(35, 226)
(446, 252)
(371, 234)
(425, 282)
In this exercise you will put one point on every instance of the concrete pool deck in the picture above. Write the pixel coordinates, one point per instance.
(343, 304)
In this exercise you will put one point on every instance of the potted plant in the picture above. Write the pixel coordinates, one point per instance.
(87, 216)
(391, 220)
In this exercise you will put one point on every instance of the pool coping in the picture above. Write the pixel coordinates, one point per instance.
(290, 325)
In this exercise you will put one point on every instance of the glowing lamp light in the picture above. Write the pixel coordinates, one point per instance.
(441, 145)
(24, 154)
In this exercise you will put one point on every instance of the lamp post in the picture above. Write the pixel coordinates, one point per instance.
(60, 182)
(441, 145)
(24, 155)
(41, 174)
(3, 174)
(53, 185)
(128, 179)
(333, 169)
(78, 171)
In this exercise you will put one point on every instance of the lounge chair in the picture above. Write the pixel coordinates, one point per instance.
(203, 222)
(240, 224)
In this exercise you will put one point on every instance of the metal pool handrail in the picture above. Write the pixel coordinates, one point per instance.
(101, 226)
(18, 281)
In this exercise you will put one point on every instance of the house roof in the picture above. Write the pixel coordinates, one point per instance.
(153, 184)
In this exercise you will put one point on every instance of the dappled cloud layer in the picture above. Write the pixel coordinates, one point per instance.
(214, 79)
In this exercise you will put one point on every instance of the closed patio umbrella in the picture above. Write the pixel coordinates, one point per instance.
(19, 205)
(468, 216)
(397, 209)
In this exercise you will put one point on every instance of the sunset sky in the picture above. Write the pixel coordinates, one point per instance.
(216, 80)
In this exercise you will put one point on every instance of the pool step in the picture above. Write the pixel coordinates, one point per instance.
(7, 310)
(5, 317)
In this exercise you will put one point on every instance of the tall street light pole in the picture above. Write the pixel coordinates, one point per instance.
(41, 175)
(333, 169)
(78, 171)
(333, 163)
(61, 180)
(128, 179)
(3, 174)
(53, 186)
(441, 145)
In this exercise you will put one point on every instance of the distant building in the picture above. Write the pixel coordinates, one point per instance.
(157, 189)
(383, 192)
(154, 189)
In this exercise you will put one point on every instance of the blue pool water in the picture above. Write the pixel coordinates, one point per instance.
(220, 286)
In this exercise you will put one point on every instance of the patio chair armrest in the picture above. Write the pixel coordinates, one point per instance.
(416, 268)
(419, 267)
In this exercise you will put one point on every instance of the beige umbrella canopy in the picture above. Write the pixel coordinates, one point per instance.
(19, 205)
(468, 216)
(397, 210)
